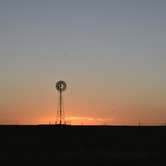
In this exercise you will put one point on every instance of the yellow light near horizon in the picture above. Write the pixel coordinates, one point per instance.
(76, 120)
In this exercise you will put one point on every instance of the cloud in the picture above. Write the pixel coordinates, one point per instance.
(89, 119)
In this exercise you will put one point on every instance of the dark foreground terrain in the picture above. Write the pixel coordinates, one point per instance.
(83, 145)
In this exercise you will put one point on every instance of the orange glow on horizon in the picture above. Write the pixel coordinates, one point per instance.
(77, 120)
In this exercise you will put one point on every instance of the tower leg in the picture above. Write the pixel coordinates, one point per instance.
(60, 120)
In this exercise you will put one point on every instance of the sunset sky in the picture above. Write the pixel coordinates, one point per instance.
(111, 53)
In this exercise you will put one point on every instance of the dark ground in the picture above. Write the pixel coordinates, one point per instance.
(83, 145)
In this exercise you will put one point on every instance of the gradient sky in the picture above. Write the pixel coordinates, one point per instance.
(111, 53)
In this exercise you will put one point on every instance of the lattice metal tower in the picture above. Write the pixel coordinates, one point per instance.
(60, 118)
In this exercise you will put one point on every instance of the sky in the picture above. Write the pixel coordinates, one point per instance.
(111, 53)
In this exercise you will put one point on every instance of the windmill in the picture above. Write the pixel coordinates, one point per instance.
(61, 87)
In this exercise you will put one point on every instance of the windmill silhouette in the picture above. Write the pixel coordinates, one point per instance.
(61, 87)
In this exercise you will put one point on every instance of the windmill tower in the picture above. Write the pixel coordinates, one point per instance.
(61, 87)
